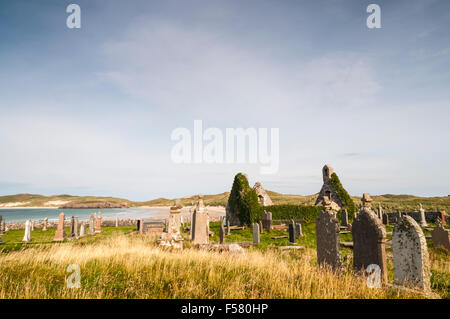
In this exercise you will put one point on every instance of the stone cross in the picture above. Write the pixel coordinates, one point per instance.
(292, 232)
(256, 234)
(423, 221)
(27, 235)
(369, 240)
(60, 234)
(200, 223)
(83, 229)
(222, 234)
(45, 227)
(98, 225)
(440, 236)
(344, 218)
(327, 235)
(267, 220)
(410, 253)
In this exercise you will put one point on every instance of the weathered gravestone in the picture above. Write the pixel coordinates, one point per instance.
(200, 223)
(369, 240)
(440, 236)
(385, 219)
(298, 230)
(260, 227)
(60, 234)
(344, 218)
(3, 227)
(77, 223)
(117, 222)
(148, 226)
(222, 234)
(380, 212)
(442, 217)
(423, 221)
(92, 224)
(98, 225)
(292, 232)
(256, 234)
(228, 227)
(32, 225)
(83, 229)
(27, 235)
(45, 227)
(267, 220)
(327, 234)
(175, 218)
(410, 253)
(72, 228)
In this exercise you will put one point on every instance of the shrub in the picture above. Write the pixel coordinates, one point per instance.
(243, 201)
(345, 198)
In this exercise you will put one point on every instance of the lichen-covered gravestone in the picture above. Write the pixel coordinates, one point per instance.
(256, 234)
(72, 228)
(440, 236)
(411, 261)
(92, 224)
(369, 240)
(327, 234)
(298, 230)
(267, 220)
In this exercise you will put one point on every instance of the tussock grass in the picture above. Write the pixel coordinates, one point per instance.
(132, 266)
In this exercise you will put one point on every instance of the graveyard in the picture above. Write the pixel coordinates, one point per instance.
(323, 251)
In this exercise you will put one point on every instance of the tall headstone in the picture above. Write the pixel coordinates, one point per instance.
(380, 212)
(117, 221)
(83, 229)
(200, 229)
(410, 253)
(267, 220)
(292, 232)
(175, 218)
(260, 227)
(3, 227)
(369, 239)
(344, 217)
(92, 224)
(77, 223)
(385, 219)
(27, 235)
(256, 234)
(298, 230)
(98, 225)
(443, 219)
(423, 221)
(72, 228)
(228, 227)
(45, 227)
(60, 234)
(32, 225)
(440, 236)
(222, 234)
(327, 234)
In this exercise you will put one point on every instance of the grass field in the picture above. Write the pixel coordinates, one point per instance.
(119, 263)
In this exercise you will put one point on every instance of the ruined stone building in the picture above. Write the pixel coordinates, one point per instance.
(263, 197)
(328, 190)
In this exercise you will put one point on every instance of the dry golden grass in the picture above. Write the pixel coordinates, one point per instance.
(131, 266)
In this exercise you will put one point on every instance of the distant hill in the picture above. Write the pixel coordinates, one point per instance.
(389, 202)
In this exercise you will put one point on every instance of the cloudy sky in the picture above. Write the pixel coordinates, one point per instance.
(90, 111)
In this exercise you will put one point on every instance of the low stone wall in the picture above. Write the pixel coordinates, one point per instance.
(52, 224)
(429, 216)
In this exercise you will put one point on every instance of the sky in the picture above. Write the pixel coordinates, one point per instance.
(91, 111)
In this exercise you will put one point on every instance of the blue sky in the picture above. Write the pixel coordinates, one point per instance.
(90, 111)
